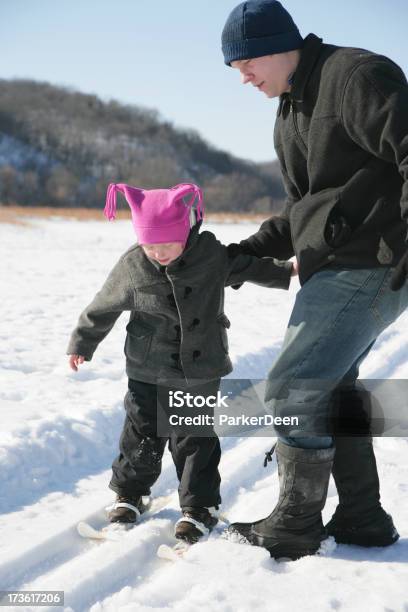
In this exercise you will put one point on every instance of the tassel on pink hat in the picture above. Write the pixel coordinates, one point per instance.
(158, 215)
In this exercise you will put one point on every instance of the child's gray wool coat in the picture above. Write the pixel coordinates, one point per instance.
(177, 325)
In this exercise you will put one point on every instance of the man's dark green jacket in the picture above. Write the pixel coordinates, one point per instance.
(341, 137)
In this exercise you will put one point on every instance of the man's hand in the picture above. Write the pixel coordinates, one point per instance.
(234, 249)
(400, 273)
(75, 361)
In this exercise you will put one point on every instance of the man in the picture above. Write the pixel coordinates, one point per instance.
(341, 137)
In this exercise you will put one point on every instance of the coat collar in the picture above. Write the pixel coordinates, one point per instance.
(310, 52)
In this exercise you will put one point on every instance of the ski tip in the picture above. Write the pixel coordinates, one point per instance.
(172, 553)
(167, 553)
(87, 531)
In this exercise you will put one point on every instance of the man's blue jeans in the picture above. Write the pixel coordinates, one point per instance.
(337, 317)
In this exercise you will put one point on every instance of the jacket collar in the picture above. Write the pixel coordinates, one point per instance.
(311, 49)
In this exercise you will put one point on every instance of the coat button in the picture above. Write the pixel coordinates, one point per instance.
(171, 299)
(177, 360)
(196, 354)
(187, 291)
(193, 324)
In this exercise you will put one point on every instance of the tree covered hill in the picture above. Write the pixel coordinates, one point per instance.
(60, 147)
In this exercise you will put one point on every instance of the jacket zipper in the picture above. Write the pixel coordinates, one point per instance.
(295, 125)
(285, 98)
(298, 136)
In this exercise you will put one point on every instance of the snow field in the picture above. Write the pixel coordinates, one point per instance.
(60, 433)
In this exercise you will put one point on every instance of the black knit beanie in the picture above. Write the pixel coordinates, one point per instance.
(256, 28)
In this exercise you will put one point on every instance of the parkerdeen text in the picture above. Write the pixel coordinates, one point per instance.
(234, 421)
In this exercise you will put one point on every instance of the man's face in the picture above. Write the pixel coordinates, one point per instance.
(268, 73)
(164, 253)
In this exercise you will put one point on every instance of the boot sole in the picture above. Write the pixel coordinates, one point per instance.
(289, 551)
(367, 542)
(295, 553)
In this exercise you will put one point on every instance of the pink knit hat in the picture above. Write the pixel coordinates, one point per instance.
(158, 215)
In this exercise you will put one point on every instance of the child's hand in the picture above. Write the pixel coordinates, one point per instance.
(75, 361)
(295, 268)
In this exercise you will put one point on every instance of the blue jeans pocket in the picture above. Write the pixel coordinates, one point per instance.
(387, 304)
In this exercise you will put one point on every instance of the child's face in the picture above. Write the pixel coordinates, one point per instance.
(165, 252)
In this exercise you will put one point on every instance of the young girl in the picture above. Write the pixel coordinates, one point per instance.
(172, 283)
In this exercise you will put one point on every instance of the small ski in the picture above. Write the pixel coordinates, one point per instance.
(115, 531)
(178, 550)
(173, 553)
(86, 530)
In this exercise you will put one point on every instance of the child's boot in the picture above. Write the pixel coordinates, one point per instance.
(128, 509)
(195, 523)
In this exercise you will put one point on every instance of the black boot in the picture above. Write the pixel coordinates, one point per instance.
(359, 517)
(195, 523)
(294, 528)
(127, 509)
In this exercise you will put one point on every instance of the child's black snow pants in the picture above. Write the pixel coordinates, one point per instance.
(138, 464)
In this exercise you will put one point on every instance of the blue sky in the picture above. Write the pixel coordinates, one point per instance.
(166, 55)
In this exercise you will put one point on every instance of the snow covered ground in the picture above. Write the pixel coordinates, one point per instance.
(60, 432)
